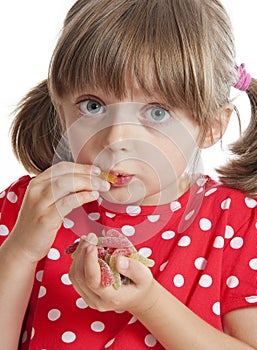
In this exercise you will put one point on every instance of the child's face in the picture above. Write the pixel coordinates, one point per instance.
(138, 139)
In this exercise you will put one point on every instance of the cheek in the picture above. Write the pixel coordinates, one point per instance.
(82, 142)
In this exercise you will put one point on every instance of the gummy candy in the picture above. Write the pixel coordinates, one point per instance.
(108, 177)
(114, 242)
(109, 247)
(71, 248)
(117, 276)
(107, 278)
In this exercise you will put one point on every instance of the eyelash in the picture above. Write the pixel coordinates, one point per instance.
(89, 99)
(160, 107)
(146, 109)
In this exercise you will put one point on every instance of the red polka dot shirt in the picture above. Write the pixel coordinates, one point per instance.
(204, 249)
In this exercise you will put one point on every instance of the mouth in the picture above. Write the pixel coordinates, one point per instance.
(123, 179)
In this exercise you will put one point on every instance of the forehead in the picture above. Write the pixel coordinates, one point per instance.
(138, 44)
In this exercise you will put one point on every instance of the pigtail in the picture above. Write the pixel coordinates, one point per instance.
(241, 171)
(36, 130)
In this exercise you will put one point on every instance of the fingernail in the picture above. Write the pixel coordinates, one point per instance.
(92, 238)
(90, 248)
(95, 194)
(106, 185)
(100, 185)
(96, 170)
(123, 262)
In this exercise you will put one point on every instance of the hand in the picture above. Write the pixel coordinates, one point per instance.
(85, 276)
(49, 197)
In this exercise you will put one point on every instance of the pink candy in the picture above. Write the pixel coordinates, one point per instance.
(110, 246)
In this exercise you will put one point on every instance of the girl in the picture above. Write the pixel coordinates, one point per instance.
(137, 89)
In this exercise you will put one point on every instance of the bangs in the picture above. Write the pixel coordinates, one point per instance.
(154, 42)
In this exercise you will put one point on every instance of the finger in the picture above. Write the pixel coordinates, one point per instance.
(134, 270)
(92, 268)
(78, 275)
(65, 184)
(70, 168)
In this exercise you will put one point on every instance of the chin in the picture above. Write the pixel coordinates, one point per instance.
(123, 197)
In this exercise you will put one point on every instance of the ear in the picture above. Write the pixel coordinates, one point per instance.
(219, 127)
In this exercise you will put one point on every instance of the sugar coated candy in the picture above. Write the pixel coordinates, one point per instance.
(108, 177)
(110, 246)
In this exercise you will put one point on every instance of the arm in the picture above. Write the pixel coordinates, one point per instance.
(174, 325)
(49, 197)
(177, 327)
(18, 276)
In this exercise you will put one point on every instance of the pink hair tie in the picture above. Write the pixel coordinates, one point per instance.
(244, 79)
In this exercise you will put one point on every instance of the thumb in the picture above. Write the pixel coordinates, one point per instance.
(133, 269)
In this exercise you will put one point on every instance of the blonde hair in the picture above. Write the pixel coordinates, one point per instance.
(181, 52)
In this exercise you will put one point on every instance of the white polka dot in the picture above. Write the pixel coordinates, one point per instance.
(4, 230)
(54, 314)
(174, 206)
(250, 202)
(81, 304)
(205, 224)
(218, 242)
(24, 337)
(133, 210)
(110, 215)
(94, 216)
(178, 280)
(42, 292)
(168, 234)
(153, 218)
(226, 203)
(132, 320)
(128, 230)
(32, 333)
(200, 263)
(209, 192)
(2, 194)
(97, 326)
(110, 342)
(146, 252)
(66, 280)
(12, 197)
(200, 190)
(53, 254)
(162, 267)
(184, 241)
(216, 308)
(251, 299)
(67, 223)
(237, 243)
(100, 200)
(229, 232)
(150, 340)
(189, 215)
(232, 282)
(39, 275)
(253, 264)
(205, 281)
(68, 337)
(201, 181)
(119, 311)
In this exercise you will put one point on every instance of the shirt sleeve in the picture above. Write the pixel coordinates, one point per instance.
(239, 278)
(10, 203)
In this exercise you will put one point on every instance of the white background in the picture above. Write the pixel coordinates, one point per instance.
(28, 32)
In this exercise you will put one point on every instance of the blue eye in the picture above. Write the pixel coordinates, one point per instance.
(91, 107)
(156, 114)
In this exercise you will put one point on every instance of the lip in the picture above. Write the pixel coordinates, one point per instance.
(123, 179)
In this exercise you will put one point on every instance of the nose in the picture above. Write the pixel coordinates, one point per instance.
(120, 131)
(116, 138)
